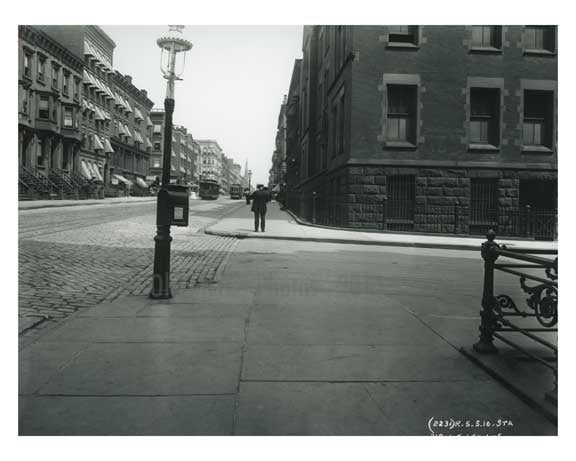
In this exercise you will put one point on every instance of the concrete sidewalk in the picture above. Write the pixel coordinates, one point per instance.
(282, 226)
(37, 204)
(279, 346)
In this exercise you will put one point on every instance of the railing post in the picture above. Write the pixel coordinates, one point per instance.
(456, 218)
(528, 214)
(313, 207)
(488, 320)
(384, 211)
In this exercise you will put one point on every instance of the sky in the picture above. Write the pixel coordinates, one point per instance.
(234, 81)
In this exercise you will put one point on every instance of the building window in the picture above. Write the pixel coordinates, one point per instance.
(27, 65)
(157, 146)
(540, 38)
(40, 152)
(401, 117)
(484, 116)
(68, 117)
(25, 101)
(44, 107)
(483, 205)
(403, 35)
(55, 72)
(487, 37)
(65, 83)
(401, 202)
(41, 68)
(538, 126)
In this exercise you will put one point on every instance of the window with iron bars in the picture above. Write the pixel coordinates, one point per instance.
(400, 203)
(483, 205)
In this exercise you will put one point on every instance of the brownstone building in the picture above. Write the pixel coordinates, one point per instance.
(91, 123)
(49, 114)
(429, 128)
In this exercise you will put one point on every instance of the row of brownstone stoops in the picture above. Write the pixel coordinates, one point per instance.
(57, 184)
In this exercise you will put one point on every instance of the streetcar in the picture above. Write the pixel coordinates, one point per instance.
(235, 191)
(209, 189)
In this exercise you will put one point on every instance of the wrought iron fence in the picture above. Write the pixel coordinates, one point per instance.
(498, 312)
(408, 216)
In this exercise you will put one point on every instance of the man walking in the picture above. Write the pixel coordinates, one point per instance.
(259, 200)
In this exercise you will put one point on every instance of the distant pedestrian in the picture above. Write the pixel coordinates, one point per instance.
(259, 200)
(247, 195)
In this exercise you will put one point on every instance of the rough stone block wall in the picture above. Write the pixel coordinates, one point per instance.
(442, 198)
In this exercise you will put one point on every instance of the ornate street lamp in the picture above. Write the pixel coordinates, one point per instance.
(249, 179)
(171, 46)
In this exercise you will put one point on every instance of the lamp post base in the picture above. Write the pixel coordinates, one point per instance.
(162, 294)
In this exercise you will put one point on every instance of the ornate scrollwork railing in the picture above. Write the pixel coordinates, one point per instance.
(541, 303)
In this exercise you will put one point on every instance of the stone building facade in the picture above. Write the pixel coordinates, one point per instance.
(293, 156)
(104, 117)
(185, 152)
(50, 98)
(211, 160)
(428, 128)
(277, 172)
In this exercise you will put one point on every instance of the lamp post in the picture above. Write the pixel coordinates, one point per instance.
(170, 46)
(249, 179)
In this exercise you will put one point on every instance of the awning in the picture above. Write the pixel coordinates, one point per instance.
(88, 50)
(182, 169)
(148, 143)
(96, 171)
(137, 136)
(99, 115)
(138, 115)
(106, 115)
(123, 179)
(121, 129)
(108, 147)
(85, 170)
(141, 183)
(127, 104)
(88, 78)
(128, 132)
(173, 139)
(97, 143)
(149, 122)
(118, 100)
(172, 167)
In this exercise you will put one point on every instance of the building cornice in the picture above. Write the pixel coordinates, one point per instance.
(50, 46)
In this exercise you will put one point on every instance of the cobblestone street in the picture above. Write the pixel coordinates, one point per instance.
(72, 258)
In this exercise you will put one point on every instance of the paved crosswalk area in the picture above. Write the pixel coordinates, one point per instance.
(75, 257)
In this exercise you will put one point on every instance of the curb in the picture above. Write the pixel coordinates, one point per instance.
(446, 246)
(515, 389)
(65, 205)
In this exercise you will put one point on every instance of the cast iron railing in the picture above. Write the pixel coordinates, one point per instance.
(530, 266)
(408, 216)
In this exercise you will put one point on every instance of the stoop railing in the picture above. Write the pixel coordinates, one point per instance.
(499, 312)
